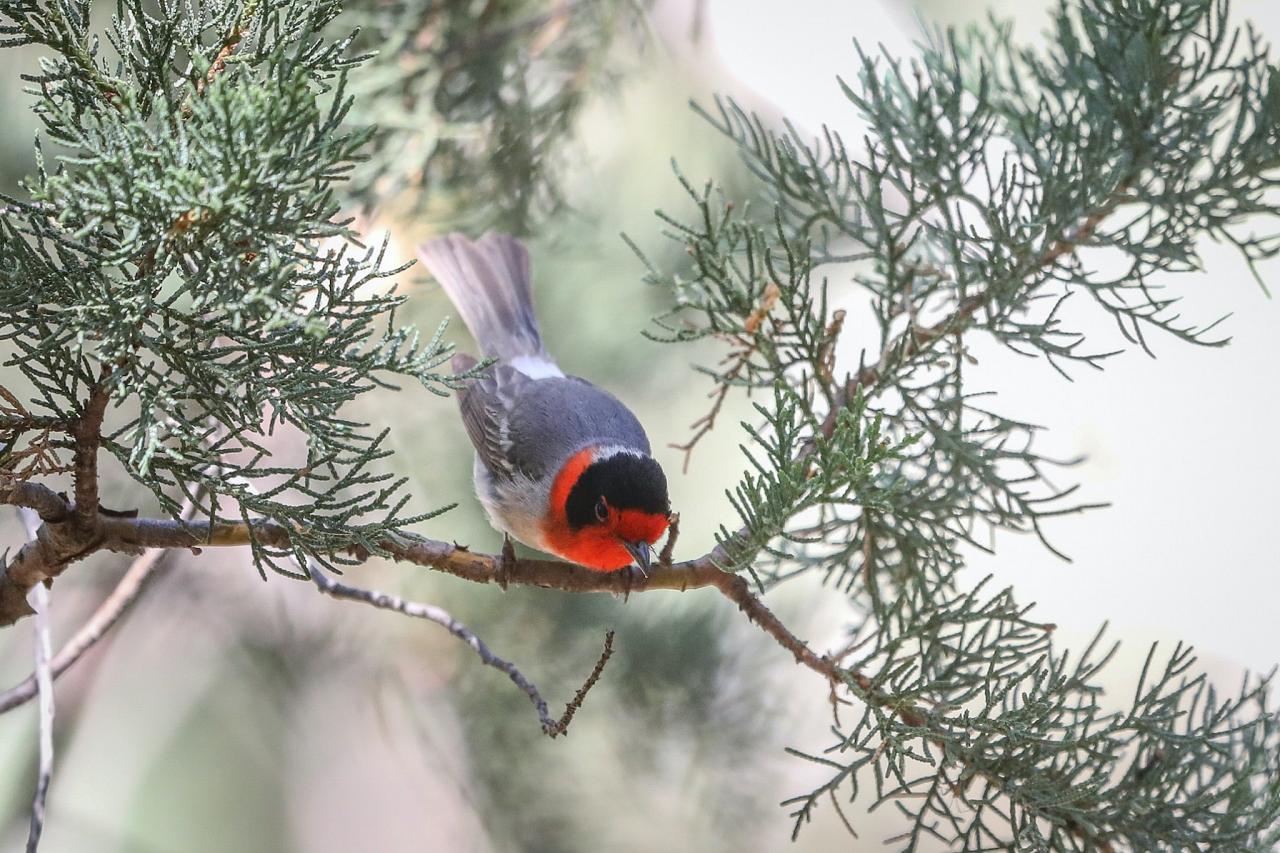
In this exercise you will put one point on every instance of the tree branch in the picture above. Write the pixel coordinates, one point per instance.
(58, 542)
(87, 432)
(562, 724)
(47, 503)
(130, 534)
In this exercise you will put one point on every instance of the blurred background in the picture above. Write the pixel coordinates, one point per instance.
(232, 714)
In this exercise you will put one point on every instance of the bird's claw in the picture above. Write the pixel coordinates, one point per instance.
(632, 575)
(507, 563)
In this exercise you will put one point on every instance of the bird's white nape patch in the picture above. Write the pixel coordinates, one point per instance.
(536, 366)
(608, 451)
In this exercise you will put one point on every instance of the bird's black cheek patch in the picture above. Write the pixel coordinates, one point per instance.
(579, 508)
(624, 481)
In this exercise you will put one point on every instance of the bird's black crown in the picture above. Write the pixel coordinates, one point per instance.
(625, 481)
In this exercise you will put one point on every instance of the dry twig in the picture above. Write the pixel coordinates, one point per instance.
(44, 681)
(444, 619)
(562, 724)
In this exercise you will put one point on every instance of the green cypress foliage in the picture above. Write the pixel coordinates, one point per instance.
(179, 248)
(1144, 128)
(474, 104)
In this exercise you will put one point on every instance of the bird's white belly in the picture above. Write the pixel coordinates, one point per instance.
(516, 507)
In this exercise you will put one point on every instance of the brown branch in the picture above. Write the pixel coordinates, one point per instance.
(47, 503)
(39, 458)
(228, 47)
(133, 534)
(87, 432)
(738, 362)
(16, 417)
(70, 531)
(706, 423)
(220, 60)
(36, 562)
(56, 545)
(704, 571)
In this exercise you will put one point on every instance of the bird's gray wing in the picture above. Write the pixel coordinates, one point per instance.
(486, 403)
(529, 427)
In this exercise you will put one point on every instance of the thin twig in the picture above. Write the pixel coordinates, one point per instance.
(228, 47)
(707, 422)
(917, 338)
(835, 801)
(562, 725)
(40, 458)
(739, 361)
(44, 682)
(443, 618)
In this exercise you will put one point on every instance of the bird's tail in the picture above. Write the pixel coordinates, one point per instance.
(488, 282)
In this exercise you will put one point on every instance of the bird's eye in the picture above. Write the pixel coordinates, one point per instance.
(602, 510)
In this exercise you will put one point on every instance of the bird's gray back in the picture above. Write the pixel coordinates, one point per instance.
(552, 418)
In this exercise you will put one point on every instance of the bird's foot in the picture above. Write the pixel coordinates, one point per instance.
(507, 563)
(632, 576)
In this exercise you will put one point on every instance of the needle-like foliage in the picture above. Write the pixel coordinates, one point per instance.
(178, 260)
(994, 183)
(474, 104)
(180, 247)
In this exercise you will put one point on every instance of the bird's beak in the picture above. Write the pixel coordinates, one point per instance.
(640, 553)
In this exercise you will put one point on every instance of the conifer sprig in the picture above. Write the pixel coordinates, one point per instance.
(176, 282)
(181, 249)
(992, 185)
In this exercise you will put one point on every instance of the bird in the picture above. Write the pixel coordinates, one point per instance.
(560, 464)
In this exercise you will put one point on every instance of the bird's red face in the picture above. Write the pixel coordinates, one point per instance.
(605, 514)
